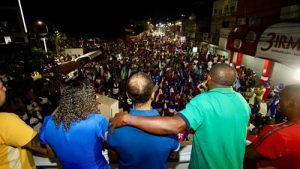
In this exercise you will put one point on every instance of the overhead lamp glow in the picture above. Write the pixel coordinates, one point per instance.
(297, 75)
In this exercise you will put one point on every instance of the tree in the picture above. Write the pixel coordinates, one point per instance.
(36, 59)
(58, 39)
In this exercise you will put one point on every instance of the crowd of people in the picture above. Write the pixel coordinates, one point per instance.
(189, 92)
(178, 74)
(31, 99)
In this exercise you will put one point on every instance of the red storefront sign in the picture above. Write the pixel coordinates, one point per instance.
(281, 43)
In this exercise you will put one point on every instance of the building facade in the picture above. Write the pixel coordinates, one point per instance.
(266, 38)
(223, 16)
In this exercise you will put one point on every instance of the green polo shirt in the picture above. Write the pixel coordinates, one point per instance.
(219, 118)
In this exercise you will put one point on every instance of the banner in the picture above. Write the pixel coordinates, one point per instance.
(243, 39)
(281, 43)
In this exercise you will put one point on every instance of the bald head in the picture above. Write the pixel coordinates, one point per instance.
(223, 74)
(140, 87)
(290, 101)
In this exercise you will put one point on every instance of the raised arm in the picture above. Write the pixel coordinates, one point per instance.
(155, 125)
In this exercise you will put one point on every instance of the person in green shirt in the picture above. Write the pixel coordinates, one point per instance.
(219, 118)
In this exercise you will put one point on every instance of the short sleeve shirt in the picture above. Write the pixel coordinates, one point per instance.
(81, 145)
(14, 134)
(141, 150)
(281, 148)
(219, 118)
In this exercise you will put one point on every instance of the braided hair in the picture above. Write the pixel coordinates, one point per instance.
(76, 103)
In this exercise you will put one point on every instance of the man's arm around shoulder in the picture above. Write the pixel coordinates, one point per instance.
(156, 125)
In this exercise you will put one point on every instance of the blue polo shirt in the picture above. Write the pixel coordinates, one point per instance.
(137, 149)
(80, 147)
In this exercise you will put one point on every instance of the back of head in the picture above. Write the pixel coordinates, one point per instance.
(290, 94)
(291, 91)
(139, 87)
(223, 74)
(77, 101)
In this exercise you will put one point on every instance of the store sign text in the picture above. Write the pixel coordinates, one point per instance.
(282, 41)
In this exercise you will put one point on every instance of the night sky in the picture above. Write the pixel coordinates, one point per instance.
(108, 17)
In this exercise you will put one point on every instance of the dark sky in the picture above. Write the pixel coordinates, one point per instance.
(107, 17)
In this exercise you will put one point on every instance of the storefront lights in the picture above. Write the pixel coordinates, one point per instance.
(297, 75)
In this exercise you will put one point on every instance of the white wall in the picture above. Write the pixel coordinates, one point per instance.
(74, 51)
(280, 74)
(284, 74)
(222, 42)
(255, 64)
(224, 32)
(223, 53)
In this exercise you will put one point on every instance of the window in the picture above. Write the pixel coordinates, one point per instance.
(251, 37)
(226, 9)
(232, 9)
(216, 12)
(241, 21)
(254, 21)
(225, 24)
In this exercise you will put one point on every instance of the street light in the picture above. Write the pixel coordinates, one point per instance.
(41, 23)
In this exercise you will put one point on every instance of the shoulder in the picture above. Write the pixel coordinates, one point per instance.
(96, 116)
(47, 119)
(265, 130)
(8, 116)
(122, 133)
(97, 120)
(9, 119)
(119, 132)
(200, 97)
(241, 96)
(269, 132)
(136, 135)
(45, 124)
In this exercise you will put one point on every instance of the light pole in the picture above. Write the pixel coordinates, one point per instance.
(44, 34)
(45, 45)
(22, 15)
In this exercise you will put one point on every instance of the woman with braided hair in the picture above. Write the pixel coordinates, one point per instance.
(76, 131)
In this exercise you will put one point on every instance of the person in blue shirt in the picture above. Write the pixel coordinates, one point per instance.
(218, 117)
(75, 132)
(135, 148)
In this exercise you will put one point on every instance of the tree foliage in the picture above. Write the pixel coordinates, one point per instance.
(59, 40)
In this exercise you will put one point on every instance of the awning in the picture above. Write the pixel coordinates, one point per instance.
(281, 43)
(243, 39)
(90, 55)
(67, 67)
